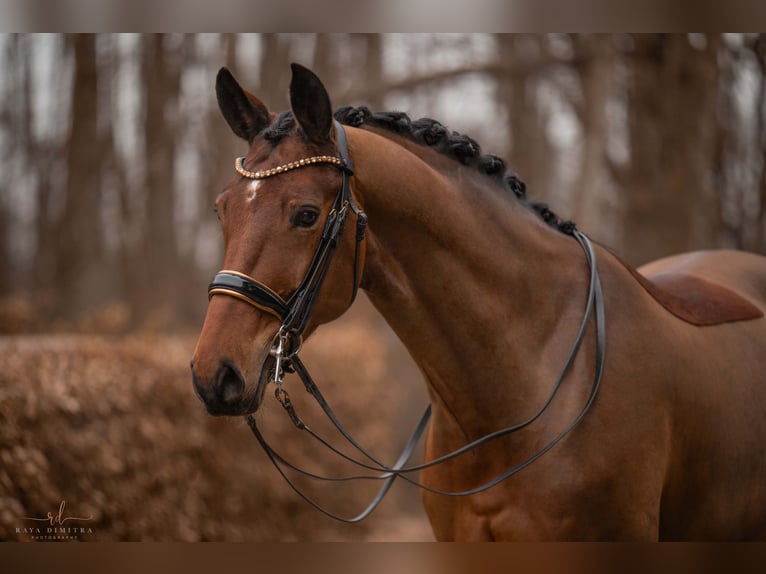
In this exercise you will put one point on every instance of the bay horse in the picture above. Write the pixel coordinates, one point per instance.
(487, 291)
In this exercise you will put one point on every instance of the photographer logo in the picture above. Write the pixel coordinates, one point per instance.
(56, 526)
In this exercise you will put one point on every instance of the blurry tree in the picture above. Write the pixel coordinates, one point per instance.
(77, 246)
(325, 59)
(742, 145)
(156, 261)
(274, 71)
(652, 143)
(370, 46)
(219, 149)
(9, 123)
(594, 61)
(672, 98)
(530, 153)
(758, 48)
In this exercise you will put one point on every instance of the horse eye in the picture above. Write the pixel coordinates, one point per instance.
(305, 218)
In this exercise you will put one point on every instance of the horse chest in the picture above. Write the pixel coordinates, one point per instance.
(517, 509)
(501, 514)
(460, 519)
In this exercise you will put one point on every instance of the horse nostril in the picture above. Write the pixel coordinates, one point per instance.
(229, 384)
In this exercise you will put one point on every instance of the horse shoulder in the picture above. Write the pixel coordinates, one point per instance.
(719, 401)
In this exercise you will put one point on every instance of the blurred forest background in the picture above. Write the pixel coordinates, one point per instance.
(113, 151)
(113, 147)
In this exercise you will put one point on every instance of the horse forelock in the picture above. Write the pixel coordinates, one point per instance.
(280, 129)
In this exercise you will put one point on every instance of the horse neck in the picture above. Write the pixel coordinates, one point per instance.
(472, 282)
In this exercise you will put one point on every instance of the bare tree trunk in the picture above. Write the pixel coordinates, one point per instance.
(275, 71)
(669, 204)
(759, 50)
(15, 125)
(530, 151)
(155, 267)
(325, 64)
(79, 247)
(373, 67)
(216, 156)
(592, 209)
(222, 146)
(43, 158)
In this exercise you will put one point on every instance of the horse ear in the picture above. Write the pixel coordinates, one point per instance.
(245, 114)
(310, 104)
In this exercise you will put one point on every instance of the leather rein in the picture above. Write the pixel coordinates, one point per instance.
(294, 315)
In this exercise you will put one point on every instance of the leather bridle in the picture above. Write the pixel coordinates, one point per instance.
(294, 315)
(296, 311)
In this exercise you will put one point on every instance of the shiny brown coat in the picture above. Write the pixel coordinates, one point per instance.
(488, 299)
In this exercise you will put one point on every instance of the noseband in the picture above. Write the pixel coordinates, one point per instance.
(295, 312)
(294, 315)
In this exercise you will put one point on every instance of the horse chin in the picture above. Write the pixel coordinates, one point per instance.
(264, 378)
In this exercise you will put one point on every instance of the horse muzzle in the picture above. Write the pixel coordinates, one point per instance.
(226, 389)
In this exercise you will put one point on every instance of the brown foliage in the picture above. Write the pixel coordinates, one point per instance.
(112, 427)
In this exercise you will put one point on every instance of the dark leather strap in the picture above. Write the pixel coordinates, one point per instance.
(295, 313)
(594, 305)
(249, 290)
(361, 216)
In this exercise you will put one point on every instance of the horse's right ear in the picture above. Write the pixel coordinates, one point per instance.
(245, 114)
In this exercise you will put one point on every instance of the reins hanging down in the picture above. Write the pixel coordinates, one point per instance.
(295, 313)
(594, 304)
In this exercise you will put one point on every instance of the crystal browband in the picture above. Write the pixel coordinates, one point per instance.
(285, 167)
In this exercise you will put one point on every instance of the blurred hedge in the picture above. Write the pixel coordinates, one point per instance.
(111, 426)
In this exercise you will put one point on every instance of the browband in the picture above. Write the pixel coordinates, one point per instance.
(263, 174)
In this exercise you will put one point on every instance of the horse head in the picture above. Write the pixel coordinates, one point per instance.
(282, 219)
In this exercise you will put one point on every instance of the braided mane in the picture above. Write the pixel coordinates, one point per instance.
(431, 133)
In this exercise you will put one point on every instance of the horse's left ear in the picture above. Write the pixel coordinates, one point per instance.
(310, 104)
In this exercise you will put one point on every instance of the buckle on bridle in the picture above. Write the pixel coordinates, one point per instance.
(284, 346)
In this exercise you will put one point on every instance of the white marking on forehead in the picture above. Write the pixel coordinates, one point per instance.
(254, 185)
